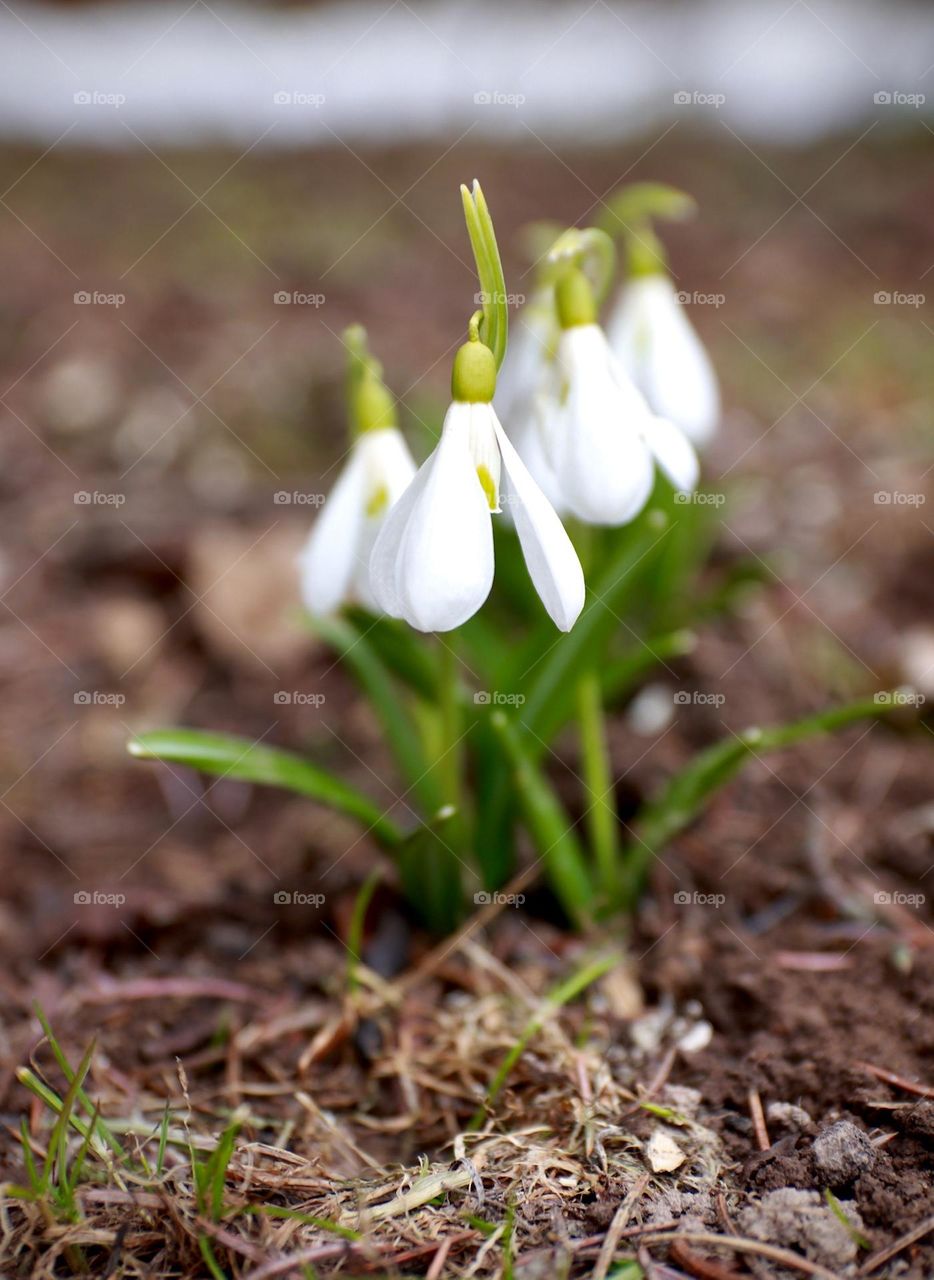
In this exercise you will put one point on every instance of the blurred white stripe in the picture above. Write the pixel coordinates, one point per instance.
(185, 74)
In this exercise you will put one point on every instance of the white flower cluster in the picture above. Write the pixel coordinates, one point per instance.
(589, 416)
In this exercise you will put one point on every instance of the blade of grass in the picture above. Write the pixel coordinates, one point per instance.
(100, 1127)
(355, 928)
(232, 757)
(688, 791)
(548, 824)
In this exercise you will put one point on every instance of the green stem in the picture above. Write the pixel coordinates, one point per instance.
(598, 779)
(449, 705)
(600, 817)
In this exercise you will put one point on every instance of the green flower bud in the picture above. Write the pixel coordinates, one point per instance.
(574, 299)
(473, 378)
(371, 405)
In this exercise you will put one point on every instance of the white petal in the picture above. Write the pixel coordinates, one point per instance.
(549, 555)
(603, 467)
(329, 558)
(673, 452)
(652, 337)
(389, 470)
(433, 559)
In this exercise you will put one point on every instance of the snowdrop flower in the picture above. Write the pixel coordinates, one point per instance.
(652, 337)
(433, 560)
(605, 439)
(335, 561)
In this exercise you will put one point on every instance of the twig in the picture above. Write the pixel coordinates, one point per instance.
(620, 1218)
(876, 1260)
(758, 1120)
(742, 1245)
(703, 1268)
(922, 1090)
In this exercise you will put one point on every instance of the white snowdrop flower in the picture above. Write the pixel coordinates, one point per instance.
(335, 561)
(433, 560)
(606, 441)
(650, 334)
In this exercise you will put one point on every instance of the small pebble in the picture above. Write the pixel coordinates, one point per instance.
(842, 1152)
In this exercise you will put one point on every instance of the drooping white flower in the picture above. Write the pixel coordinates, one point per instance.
(605, 440)
(653, 339)
(433, 560)
(335, 562)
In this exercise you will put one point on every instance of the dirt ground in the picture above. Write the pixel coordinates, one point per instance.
(778, 979)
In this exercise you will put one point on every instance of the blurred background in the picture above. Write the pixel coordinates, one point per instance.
(195, 199)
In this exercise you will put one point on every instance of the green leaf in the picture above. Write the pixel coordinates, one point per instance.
(363, 659)
(548, 825)
(228, 756)
(431, 871)
(687, 792)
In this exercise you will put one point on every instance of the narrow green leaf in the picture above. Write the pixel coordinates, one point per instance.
(548, 825)
(100, 1126)
(355, 928)
(403, 651)
(233, 757)
(687, 792)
